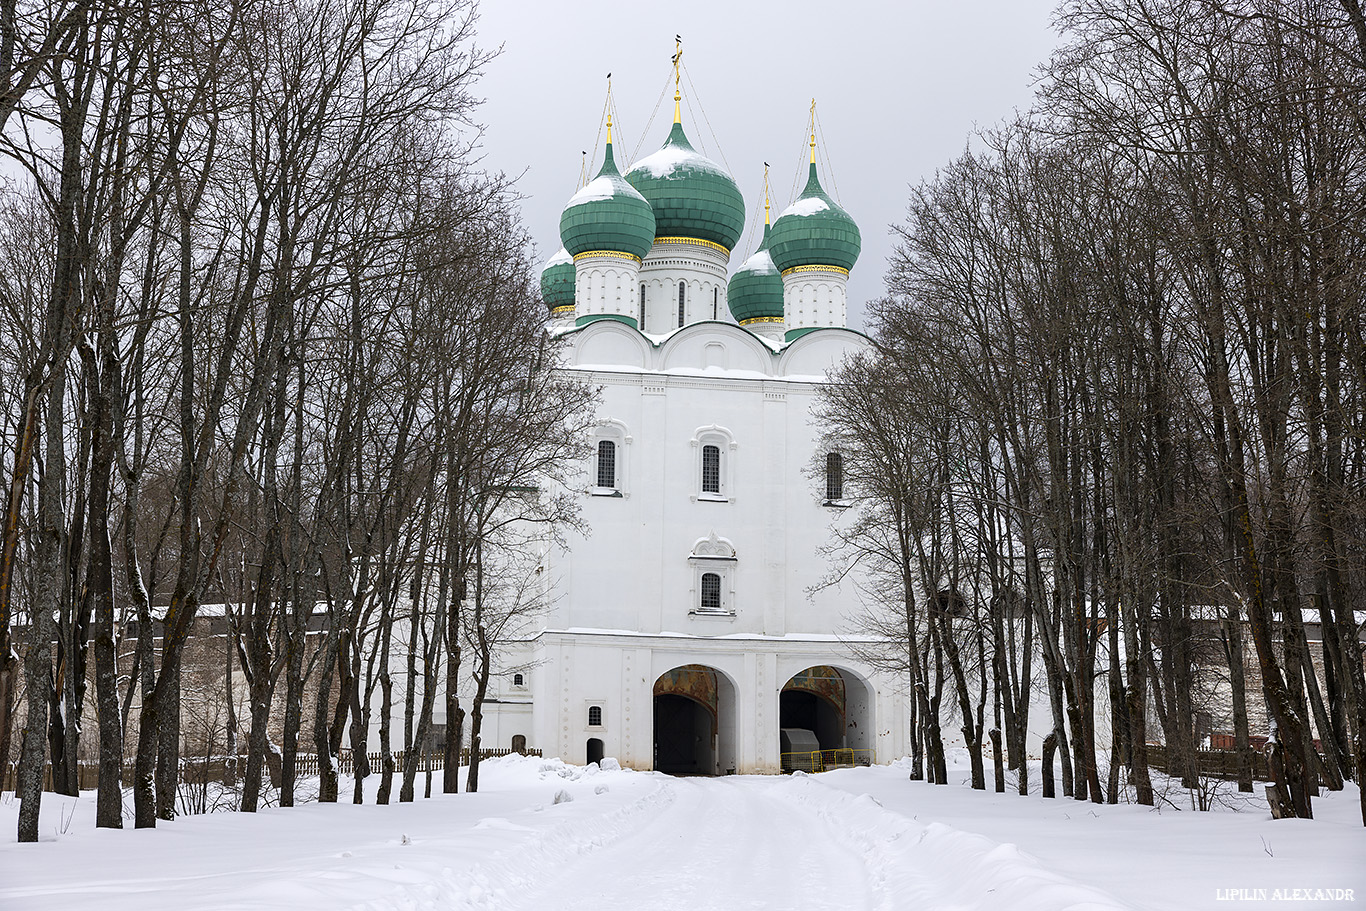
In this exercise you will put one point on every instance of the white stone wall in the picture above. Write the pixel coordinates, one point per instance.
(625, 596)
(605, 285)
(702, 269)
(815, 298)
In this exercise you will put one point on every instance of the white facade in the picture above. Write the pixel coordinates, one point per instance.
(814, 296)
(698, 558)
(605, 285)
(683, 281)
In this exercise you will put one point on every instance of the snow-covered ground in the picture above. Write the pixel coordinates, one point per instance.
(851, 839)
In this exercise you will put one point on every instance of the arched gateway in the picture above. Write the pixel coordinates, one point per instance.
(694, 721)
(825, 719)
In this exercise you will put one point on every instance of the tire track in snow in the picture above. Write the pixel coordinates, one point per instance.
(495, 881)
(931, 865)
(722, 845)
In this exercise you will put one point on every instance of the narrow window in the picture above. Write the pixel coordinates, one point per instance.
(711, 592)
(595, 716)
(711, 469)
(834, 476)
(517, 679)
(682, 294)
(642, 306)
(715, 301)
(607, 463)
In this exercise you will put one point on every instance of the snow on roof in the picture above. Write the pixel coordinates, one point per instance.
(604, 186)
(810, 206)
(562, 256)
(219, 610)
(669, 159)
(759, 264)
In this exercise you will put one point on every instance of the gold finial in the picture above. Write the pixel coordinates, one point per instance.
(813, 131)
(609, 109)
(766, 202)
(678, 62)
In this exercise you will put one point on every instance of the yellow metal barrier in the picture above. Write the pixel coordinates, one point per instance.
(823, 760)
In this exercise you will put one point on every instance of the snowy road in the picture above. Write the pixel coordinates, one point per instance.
(727, 845)
(731, 844)
(857, 840)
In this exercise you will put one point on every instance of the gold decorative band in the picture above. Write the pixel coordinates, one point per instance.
(762, 319)
(613, 254)
(816, 269)
(693, 241)
(562, 311)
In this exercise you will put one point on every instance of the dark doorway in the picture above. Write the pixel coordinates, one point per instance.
(519, 743)
(797, 709)
(683, 736)
(594, 749)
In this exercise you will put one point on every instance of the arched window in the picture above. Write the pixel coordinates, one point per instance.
(834, 476)
(711, 592)
(712, 561)
(711, 469)
(642, 306)
(682, 296)
(715, 302)
(595, 716)
(607, 464)
(518, 680)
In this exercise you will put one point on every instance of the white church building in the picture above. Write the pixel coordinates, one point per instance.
(688, 630)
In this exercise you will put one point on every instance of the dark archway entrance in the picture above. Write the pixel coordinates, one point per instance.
(683, 736)
(825, 719)
(594, 750)
(694, 719)
(817, 714)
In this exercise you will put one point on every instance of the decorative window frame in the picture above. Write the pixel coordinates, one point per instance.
(601, 705)
(713, 554)
(724, 440)
(613, 431)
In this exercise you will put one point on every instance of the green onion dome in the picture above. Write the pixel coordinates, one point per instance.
(755, 292)
(557, 281)
(608, 216)
(692, 195)
(814, 231)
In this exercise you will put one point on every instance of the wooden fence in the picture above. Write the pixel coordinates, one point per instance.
(197, 771)
(1222, 764)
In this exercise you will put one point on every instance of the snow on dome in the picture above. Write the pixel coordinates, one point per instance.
(669, 163)
(691, 195)
(599, 188)
(810, 206)
(755, 292)
(608, 215)
(759, 264)
(561, 256)
(814, 231)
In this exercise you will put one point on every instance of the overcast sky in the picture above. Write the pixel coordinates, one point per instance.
(899, 87)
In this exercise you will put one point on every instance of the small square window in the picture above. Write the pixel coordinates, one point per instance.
(595, 716)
